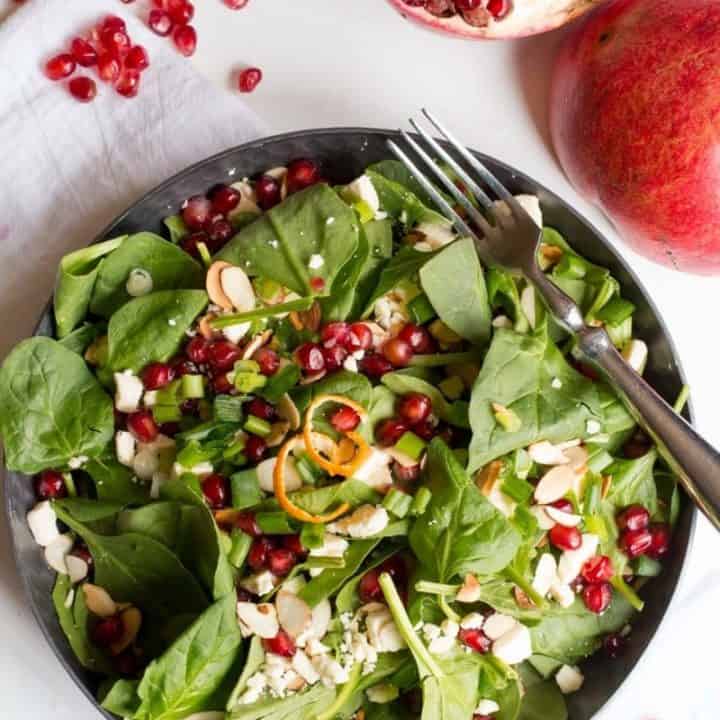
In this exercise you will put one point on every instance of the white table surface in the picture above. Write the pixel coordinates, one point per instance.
(337, 62)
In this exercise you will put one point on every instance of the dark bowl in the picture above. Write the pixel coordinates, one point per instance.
(343, 154)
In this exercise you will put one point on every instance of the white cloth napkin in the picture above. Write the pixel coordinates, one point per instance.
(68, 168)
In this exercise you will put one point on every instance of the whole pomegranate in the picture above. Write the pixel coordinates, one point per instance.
(635, 119)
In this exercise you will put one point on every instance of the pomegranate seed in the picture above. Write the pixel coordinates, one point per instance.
(398, 352)
(197, 349)
(246, 522)
(185, 39)
(157, 375)
(83, 52)
(359, 337)
(445, 433)
(425, 430)
(190, 243)
(635, 517)
(281, 561)
(113, 22)
(181, 12)
(614, 645)
(282, 644)
(598, 569)
(406, 473)
(334, 333)
(374, 365)
(219, 231)
(160, 22)
(216, 491)
(637, 446)
(224, 199)
(172, 428)
(301, 174)
(249, 79)
(565, 538)
(142, 425)
(564, 505)
(344, 419)
(222, 385)
(418, 338)
(267, 192)
(108, 67)
(475, 639)
(597, 597)
(255, 448)
(260, 408)
(235, 4)
(498, 8)
(49, 484)
(369, 588)
(108, 631)
(196, 211)
(292, 543)
(60, 66)
(317, 284)
(660, 534)
(183, 366)
(310, 358)
(414, 408)
(268, 360)
(222, 354)
(334, 357)
(389, 431)
(258, 553)
(243, 595)
(115, 41)
(395, 567)
(126, 663)
(636, 542)
(137, 58)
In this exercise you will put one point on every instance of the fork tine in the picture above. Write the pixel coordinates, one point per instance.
(447, 182)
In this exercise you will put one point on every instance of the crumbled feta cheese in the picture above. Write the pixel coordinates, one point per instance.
(441, 645)
(366, 521)
(593, 427)
(363, 189)
(450, 628)
(514, 646)
(42, 522)
(556, 383)
(498, 625)
(382, 632)
(572, 561)
(202, 468)
(562, 594)
(75, 463)
(128, 391)
(259, 584)
(330, 671)
(333, 546)
(350, 364)
(316, 647)
(316, 261)
(56, 552)
(569, 679)
(431, 631)
(150, 398)
(304, 668)
(139, 282)
(472, 621)
(375, 471)
(487, 707)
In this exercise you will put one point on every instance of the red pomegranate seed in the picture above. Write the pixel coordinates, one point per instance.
(475, 639)
(418, 338)
(344, 419)
(637, 446)
(60, 66)
(334, 357)
(396, 568)
(219, 231)
(197, 349)
(499, 8)
(445, 433)
(565, 538)
(126, 663)
(406, 473)
(83, 52)
(267, 192)
(245, 521)
(235, 4)
(142, 425)
(221, 384)
(249, 79)
(183, 366)
(190, 243)
(564, 505)
(281, 561)
(137, 58)
(598, 569)
(597, 597)
(397, 352)
(301, 174)
(281, 644)
(222, 354)
(172, 428)
(268, 360)
(224, 199)
(636, 542)
(216, 490)
(334, 333)
(258, 553)
(635, 517)
(107, 631)
(359, 337)
(196, 211)
(260, 408)
(181, 12)
(369, 588)
(389, 431)
(160, 22)
(185, 39)
(310, 358)
(292, 543)
(157, 375)
(614, 645)
(243, 595)
(425, 430)
(115, 41)
(414, 408)
(317, 284)
(660, 534)
(108, 67)
(374, 365)
(113, 22)
(255, 448)
(50, 485)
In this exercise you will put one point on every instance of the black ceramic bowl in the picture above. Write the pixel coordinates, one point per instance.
(343, 155)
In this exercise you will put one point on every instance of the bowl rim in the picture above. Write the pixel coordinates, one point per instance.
(386, 134)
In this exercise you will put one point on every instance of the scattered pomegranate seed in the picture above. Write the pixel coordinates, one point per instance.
(406, 473)
(235, 4)
(219, 231)
(142, 425)
(301, 174)
(221, 384)
(160, 22)
(50, 485)
(172, 428)
(499, 8)
(334, 333)
(374, 365)
(636, 542)
(637, 446)
(564, 505)
(310, 357)
(317, 284)
(475, 639)
(222, 354)
(260, 408)
(245, 521)
(184, 366)
(598, 569)
(157, 375)
(396, 568)
(181, 12)
(614, 645)
(398, 352)
(344, 419)
(115, 40)
(597, 597)
(224, 199)
(292, 543)
(425, 430)
(83, 52)
(268, 360)
(249, 79)
(196, 211)
(565, 538)
(107, 631)
(414, 408)
(137, 58)
(635, 517)
(389, 431)
(113, 22)
(369, 588)
(267, 192)
(108, 67)
(216, 491)
(60, 66)
(255, 448)
(359, 337)
(660, 534)
(418, 338)
(126, 663)
(281, 644)
(185, 39)
(281, 561)
(190, 243)
(197, 349)
(258, 553)
(334, 357)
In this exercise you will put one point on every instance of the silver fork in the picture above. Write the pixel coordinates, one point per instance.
(511, 240)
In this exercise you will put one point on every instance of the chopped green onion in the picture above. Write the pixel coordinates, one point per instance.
(525, 586)
(274, 523)
(166, 413)
(278, 384)
(435, 588)
(363, 210)
(593, 492)
(421, 310)
(69, 484)
(191, 455)
(411, 445)
(596, 525)
(308, 471)
(176, 227)
(571, 266)
(443, 359)
(518, 489)
(522, 463)
(525, 521)
(628, 593)
(506, 418)
(324, 563)
(193, 387)
(249, 382)
(257, 426)
(249, 366)
(266, 289)
(239, 548)
(204, 253)
(228, 408)
(397, 503)
(615, 311)
(420, 502)
(312, 535)
(298, 305)
(450, 614)
(245, 489)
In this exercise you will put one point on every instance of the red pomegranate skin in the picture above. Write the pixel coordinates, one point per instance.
(635, 120)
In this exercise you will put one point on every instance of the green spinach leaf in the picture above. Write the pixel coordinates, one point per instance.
(633, 482)
(79, 339)
(115, 482)
(394, 170)
(401, 203)
(122, 698)
(352, 385)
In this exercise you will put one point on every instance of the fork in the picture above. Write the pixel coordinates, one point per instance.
(511, 240)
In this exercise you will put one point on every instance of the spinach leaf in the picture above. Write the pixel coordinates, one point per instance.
(75, 281)
(98, 515)
(280, 243)
(253, 662)
(543, 701)
(394, 170)
(79, 339)
(168, 266)
(151, 328)
(52, 407)
(401, 203)
(115, 482)
(352, 385)
(382, 405)
(317, 501)
(454, 282)
(503, 295)
(401, 383)
(122, 698)
(160, 520)
(460, 532)
(633, 482)
(180, 682)
(380, 249)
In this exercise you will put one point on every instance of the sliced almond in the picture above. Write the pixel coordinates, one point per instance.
(545, 522)
(260, 620)
(545, 453)
(295, 320)
(577, 458)
(56, 553)
(555, 484)
(297, 683)
(312, 317)
(565, 519)
(606, 485)
(545, 574)
(294, 614)
(98, 600)
(77, 568)
(470, 590)
(236, 286)
(487, 477)
(278, 431)
(287, 410)
(214, 286)
(256, 343)
(131, 621)
(204, 327)
(522, 600)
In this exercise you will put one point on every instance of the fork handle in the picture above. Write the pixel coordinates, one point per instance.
(695, 461)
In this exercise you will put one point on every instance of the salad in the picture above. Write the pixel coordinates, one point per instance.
(305, 457)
